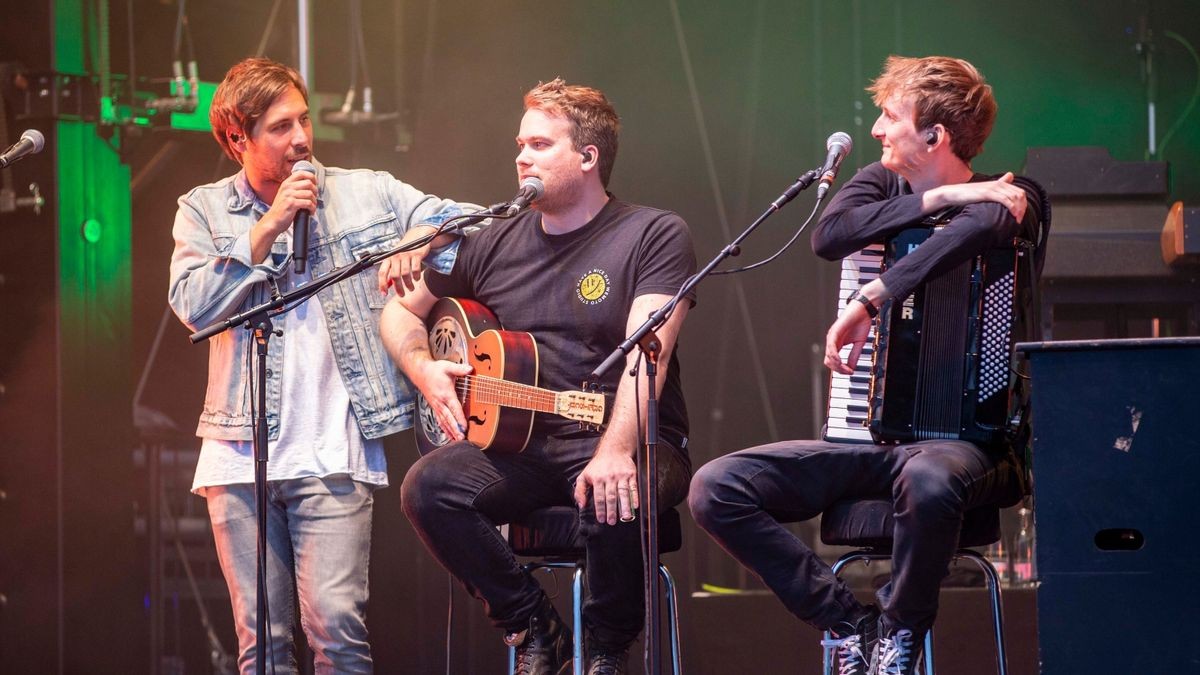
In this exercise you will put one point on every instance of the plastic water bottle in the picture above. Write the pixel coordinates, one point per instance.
(1024, 560)
(998, 555)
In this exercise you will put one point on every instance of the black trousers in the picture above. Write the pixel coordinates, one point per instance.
(456, 496)
(743, 498)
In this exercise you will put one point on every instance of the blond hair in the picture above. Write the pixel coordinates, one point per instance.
(945, 91)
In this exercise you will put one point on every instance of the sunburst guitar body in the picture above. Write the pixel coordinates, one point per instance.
(500, 396)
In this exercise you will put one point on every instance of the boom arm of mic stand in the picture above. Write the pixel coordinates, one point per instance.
(310, 289)
(659, 316)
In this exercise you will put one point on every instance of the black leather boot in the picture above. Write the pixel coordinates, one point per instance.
(544, 648)
(607, 661)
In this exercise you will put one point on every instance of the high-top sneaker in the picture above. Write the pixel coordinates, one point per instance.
(854, 641)
(899, 652)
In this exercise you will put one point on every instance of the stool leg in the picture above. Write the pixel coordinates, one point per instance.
(929, 651)
(577, 618)
(672, 618)
(576, 611)
(993, 581)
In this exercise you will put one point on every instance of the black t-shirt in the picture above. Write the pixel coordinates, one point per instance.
(573, 292)
(877, 203)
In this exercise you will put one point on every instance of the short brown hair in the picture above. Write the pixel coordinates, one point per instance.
(945, 91)
(593, 119)
(248, 90)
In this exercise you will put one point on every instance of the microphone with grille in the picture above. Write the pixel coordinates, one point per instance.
(32, 141)
(839, 145)
(531, 189)
(300, 226)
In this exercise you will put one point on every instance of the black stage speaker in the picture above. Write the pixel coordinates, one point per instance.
(1116, 486)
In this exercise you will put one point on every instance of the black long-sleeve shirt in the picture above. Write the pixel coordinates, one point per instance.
(876, 204)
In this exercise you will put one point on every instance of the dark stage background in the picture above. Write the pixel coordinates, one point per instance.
(723, 104)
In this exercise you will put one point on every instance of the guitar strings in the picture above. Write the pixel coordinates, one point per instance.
(494, 390)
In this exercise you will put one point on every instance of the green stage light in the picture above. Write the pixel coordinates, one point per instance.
(92, 230)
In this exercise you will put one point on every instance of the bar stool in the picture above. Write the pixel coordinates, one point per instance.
(552, 535)
(869, 523)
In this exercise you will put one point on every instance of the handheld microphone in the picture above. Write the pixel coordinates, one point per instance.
(531, 189)
(839, 145)
(300, 226)
(32, 141)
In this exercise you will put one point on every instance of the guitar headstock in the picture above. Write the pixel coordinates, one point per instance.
(581, 406)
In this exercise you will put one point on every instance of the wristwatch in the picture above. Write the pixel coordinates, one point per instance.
(872, 310)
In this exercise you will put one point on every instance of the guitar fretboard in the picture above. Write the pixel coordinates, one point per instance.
(495, 391)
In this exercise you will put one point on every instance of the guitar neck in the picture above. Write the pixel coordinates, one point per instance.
(495, 391)
(581, 406)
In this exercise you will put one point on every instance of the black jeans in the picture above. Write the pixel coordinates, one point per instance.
(456, 496)
(741, 500)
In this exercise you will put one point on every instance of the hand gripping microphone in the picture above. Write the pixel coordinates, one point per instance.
(839, 145)
(531, 189)
(300, 226)
(32, 141)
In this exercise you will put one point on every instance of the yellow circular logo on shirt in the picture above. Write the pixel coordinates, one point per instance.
(593, 287)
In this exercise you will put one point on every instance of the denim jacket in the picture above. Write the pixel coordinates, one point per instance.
(212, 277)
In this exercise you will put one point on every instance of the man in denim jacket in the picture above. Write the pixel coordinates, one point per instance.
(332, 391)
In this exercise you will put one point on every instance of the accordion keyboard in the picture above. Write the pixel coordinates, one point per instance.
(849, 395)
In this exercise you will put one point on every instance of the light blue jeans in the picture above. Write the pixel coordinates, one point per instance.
(319, 543)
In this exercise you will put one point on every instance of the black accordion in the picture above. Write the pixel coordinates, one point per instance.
(938, 364)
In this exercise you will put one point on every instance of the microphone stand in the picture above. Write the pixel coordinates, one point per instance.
(258, 320)
(647, 341)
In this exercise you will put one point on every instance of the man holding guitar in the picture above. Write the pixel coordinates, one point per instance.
(576, 274)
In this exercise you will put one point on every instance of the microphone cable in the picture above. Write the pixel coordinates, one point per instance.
(778, 253)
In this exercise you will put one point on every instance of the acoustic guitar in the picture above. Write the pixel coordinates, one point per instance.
(500, 397)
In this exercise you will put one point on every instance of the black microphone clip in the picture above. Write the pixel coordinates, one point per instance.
(801, 184)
